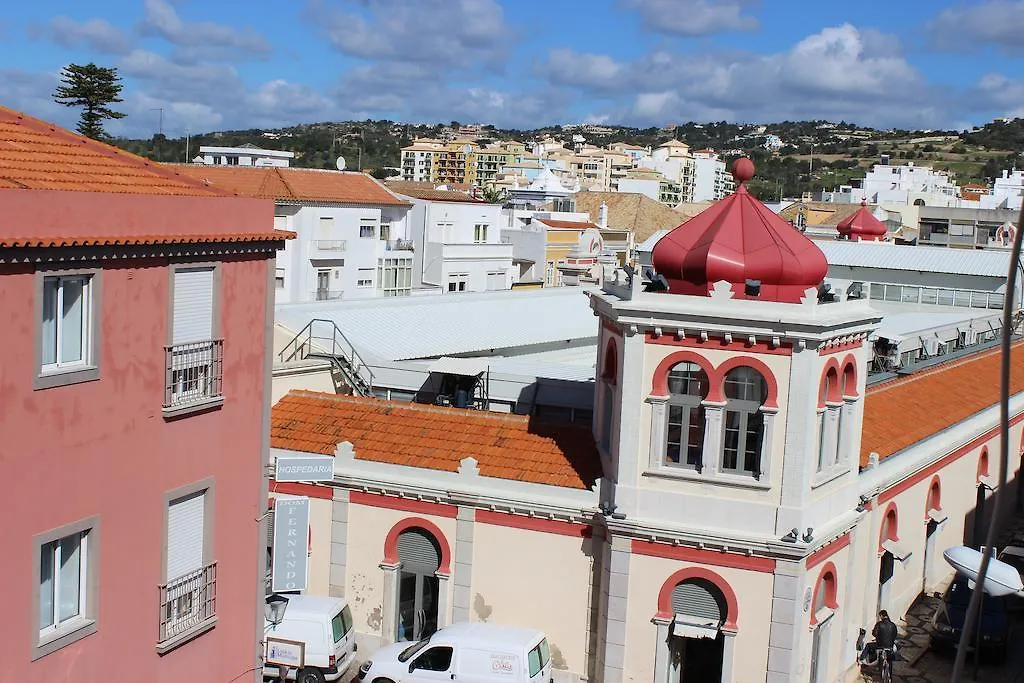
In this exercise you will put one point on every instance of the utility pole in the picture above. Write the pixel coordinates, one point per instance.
(186, 143)
(161, 110)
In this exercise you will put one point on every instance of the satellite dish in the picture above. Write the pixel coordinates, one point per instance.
(466, 149)
(340, 163)
(1001, 579)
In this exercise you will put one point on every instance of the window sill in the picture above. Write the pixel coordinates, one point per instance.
(69, 633)
(48, 379)
(829, 475)
(721, 478)
(198, 406)
(199, 629)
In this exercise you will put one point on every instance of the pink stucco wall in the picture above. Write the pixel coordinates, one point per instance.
(103, 448)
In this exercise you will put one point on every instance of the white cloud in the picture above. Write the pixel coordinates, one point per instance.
(1004, 95)
(97, 35)
(973, 26)
(565, 66)
(197, 40)
(690, 18)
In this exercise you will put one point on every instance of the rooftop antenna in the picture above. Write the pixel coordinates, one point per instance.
(340, 163)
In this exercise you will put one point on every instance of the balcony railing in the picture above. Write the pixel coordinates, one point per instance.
(193, 372)
(327, 294)
(330, 245)
(188, 601)
(399, 245)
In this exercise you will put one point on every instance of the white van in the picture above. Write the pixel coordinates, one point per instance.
(467, 653)
(324, 624)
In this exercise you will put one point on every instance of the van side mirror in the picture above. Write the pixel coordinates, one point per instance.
(412, 667)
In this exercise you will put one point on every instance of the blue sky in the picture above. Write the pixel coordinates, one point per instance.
(214, 65)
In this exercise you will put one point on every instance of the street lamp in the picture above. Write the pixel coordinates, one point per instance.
(275, 608)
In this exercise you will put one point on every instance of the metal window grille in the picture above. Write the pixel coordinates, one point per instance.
(193, 372)
(188, 601)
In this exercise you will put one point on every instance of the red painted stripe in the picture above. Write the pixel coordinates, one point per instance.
(548, 526)
(420, 507)
(713, 558)
(668, 338)
(827, 551)
(926, 473)
(299, 489)
(848, 346)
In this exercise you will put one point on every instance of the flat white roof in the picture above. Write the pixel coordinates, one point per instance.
(248, 151)
(489, 635)
(920, 322)
(887, 256)
(407, 328)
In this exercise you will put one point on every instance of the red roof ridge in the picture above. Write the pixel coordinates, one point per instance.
(107, 150)
(142, 240)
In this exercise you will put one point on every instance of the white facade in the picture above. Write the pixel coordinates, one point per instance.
(246, 155)
(1007, 191)
(458, 246)
(906, 185)
(711, 180)
(650, 187)
(343, 252)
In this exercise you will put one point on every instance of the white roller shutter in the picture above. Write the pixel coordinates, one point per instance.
(185, 526)
(193, 305)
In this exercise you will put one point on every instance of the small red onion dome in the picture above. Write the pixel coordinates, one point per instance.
(739, 239)
(862, 225)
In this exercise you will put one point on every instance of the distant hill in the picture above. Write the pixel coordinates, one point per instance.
(814, 155)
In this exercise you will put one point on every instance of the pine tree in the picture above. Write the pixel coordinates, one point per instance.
(93, 87)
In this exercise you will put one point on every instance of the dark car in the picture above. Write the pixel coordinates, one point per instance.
(948, 622)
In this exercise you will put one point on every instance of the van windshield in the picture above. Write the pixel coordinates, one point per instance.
(341, 624)
(411, 651)
(539, 657)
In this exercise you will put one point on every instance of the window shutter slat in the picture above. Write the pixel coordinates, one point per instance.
(695, 600)
(418, 552)
(193, 305)
(185, 525)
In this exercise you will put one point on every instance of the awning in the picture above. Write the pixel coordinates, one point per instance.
(897, 550)
(937, 516)
(685, 626)
(466, 367)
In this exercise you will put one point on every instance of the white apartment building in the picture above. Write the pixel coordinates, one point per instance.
(674, 161)
(417, 159)
(352, 233)
(243, 155)
(711, 181)
(906, 185)
(456, 241)
(1007, 191)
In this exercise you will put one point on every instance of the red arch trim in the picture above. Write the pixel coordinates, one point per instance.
(828, 582)
(610, 371)
(890, 512)
(849, 375)
(830, 378)
(391, 542)
(659, 384)
(983, 463)
(665, 594)
(934, 501)
(717, 390)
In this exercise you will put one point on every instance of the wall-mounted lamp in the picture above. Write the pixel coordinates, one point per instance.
(275, 608)
(791, 536)
(808, 535)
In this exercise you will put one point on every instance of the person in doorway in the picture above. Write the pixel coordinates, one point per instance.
(884, 634)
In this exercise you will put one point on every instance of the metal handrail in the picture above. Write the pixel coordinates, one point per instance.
(306, 343)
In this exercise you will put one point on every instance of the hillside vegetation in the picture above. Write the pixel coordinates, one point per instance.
(815, 155)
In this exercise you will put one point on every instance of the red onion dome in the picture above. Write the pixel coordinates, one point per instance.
(740, 240)
(863, 225)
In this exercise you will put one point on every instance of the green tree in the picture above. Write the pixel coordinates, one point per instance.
(494, 195)
(93, 87)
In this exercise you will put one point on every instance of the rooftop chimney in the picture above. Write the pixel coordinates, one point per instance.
(602, 216)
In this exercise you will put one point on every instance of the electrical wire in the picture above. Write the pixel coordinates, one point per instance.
(1004, 457)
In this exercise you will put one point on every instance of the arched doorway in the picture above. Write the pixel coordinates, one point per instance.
(823, 608)
(419, 556)
(696, 643)
(934, 518)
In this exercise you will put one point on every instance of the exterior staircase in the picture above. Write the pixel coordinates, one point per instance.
(321, 339)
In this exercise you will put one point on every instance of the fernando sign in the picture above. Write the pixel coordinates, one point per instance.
(291, 544)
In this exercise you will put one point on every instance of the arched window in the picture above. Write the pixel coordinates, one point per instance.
(699, 601)
(826, 393)
(687, 387)
(934, 496)
(745, 394)
(825, 592)
(609, 377)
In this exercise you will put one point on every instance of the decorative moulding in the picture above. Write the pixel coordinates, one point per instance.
(469, 467)
(723, 290)
(345, 451)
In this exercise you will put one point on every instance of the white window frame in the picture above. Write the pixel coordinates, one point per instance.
(367, 228)
(480, 233)
(58, 364)
(460, 282)
(59, 372)
(52, 637)
(363, 281)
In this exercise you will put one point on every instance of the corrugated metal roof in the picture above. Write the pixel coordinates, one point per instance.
(898, 326)
(405, 328)
(887, 256)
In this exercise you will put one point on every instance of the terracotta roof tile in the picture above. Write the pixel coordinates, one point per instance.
(901, 412)
(141, 240)
(567, 225)
(293, 184)
(418, 191)
(35, 155)
(632, 211)
(505, 446)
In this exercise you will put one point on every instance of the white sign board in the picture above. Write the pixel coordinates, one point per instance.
(291, 542)
(304, 468)
(287, 653)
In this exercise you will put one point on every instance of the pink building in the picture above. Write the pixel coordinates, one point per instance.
(134, 378)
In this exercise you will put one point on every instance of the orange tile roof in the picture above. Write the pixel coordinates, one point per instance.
(412, 189)
(903, 411)
(505, 446)
(293, 184)
(141, 240)
(35, 155)
(567, 225)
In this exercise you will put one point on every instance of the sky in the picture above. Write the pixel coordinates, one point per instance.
(229, 64)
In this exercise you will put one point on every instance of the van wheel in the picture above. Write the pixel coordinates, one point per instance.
(383, 680)
(310, 675)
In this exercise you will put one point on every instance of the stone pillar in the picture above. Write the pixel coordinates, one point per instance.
(712, 454)
(443, 581)
(767, 440)
(661, 651)
(615, 619)
(627, 447)
(847, 430)
(389, 608)
(659, 414)
(784, 629)
(728, 654)
(339, 543)
(831, 444)
(463, 577)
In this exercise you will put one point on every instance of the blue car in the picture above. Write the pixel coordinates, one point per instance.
(948, 622)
